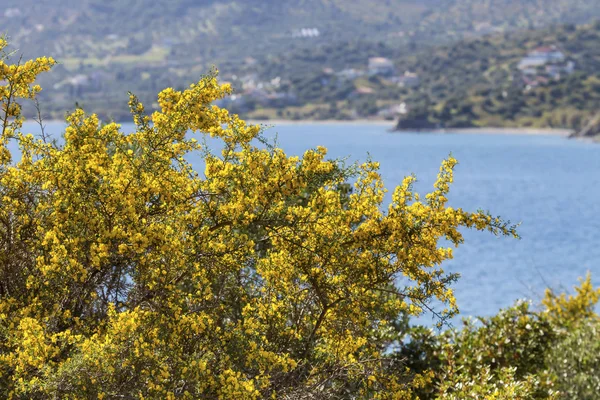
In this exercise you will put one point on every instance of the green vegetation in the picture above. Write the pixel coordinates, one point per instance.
(128, 274)
(107, 46)
(472, 83)
(96, 28)
(520, 353)
(478, 83)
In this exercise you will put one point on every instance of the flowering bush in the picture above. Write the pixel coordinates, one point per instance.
(125, 273)
(520, 353)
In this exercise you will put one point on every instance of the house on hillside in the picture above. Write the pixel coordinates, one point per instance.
(393, 111)
(540, 57)
(364, 90)
(409, 80)
(549, 53)
(381, 66)
(360, 92)
(349, 74)
(306, 33)
(556, 71)
(542, 65)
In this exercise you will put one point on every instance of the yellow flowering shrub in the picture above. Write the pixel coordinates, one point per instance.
(566, 310)
(125, 273)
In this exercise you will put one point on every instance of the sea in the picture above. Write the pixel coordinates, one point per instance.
(549, 184)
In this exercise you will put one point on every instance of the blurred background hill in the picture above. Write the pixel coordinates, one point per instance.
(81, 30)
(451, 62)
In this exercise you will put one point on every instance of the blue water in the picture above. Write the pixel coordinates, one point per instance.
(549, 184)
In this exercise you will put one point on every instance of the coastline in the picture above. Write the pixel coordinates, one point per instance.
(391, 125)
(275, 122)
(508, 131)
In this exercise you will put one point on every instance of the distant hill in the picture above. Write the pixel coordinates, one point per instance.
(546, 77)
(107, 47)
(97, 29)
(510, 79)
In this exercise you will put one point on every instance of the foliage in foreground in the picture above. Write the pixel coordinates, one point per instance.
(520, 353)
(127, 273)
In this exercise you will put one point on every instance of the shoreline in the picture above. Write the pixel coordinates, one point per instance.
(391, 124)
(462, 131)
(373, 122)
(508, 131)
(378, 122)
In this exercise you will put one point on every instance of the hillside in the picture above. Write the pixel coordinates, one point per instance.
(474, 82)
(109, 47)
(98, 29)
(511, 79)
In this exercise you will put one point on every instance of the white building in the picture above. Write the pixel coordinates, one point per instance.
(409, 80)
(381, 66)
(349, 74)
(541, 56)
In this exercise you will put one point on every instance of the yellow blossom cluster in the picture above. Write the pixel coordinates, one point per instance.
(125, 273)
(570, 309)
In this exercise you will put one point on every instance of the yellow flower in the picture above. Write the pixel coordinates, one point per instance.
(264, 270)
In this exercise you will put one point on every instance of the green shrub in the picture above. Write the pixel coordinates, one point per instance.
(575, 362)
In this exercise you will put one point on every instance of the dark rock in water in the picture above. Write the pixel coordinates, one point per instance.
(415, 124)
(417, 119)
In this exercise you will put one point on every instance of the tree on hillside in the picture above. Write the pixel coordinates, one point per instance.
(125, 273)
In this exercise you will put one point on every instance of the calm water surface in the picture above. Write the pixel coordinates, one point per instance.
(549, 184)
